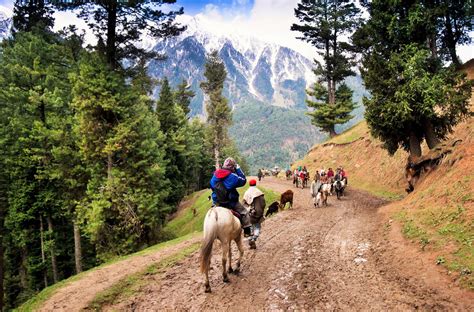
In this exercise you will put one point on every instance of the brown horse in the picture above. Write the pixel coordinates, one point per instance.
(220, 224)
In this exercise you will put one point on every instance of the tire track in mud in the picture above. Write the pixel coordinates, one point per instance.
(306, 259)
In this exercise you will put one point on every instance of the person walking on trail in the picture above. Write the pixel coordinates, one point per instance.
(254, 199)
(315, 185)
(224, 184)
(260, 174)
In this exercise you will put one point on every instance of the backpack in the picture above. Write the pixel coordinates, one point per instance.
(222, 194)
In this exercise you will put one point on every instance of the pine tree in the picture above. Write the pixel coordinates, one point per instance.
(119, 25)
(32, 14)
(413, 95)
(125, 207)
(219, 116)
(173, 125)
(183, 96)
(325, 24)
(35, 96)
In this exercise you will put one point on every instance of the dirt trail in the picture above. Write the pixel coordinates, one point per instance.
(307, 258)
(76, 295)
(331, 258)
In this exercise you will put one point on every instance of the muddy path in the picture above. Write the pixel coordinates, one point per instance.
(331, 258)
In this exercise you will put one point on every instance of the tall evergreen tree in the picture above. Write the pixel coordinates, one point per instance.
(126, 205)
(173, 125)
(119, 25)
(35, 96)
(183, 96)
(219, 115)
(31, 14)
(325, 24)
(413, 95)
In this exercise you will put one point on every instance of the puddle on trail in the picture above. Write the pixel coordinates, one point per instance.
(360, 252)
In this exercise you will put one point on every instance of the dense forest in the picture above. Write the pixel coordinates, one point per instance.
(90, 165)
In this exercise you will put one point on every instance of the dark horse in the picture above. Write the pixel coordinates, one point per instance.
(339, 187)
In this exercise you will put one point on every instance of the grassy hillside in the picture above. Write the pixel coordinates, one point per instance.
(438, 216)
(369, 166)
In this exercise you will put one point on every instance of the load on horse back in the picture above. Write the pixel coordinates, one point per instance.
(220, 223)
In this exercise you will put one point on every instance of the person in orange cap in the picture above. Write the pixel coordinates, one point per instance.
(254, 200)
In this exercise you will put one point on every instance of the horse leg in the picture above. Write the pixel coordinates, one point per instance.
(230, 258)
(241, 253)
(225, 252)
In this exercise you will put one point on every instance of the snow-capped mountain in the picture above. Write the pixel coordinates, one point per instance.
(256, 71)
(5, 22)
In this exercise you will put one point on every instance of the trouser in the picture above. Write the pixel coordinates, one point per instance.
(256, 231)
(244, 214)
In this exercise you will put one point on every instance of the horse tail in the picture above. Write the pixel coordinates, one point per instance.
(210, 234)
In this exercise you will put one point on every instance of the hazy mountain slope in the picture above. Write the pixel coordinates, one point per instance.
(265, 86)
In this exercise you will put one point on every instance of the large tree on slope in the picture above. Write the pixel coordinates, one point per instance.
(325, 24)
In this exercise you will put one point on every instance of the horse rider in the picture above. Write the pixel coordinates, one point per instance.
(324, 179)
(330, 174)
(344, 175)
(224, 184)
(254, 200)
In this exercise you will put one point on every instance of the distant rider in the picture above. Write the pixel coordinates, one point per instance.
(224, 184)
(254, 200)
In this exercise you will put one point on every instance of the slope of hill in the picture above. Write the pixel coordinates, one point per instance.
(437, 217)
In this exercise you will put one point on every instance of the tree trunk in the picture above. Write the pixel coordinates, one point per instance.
(111, 50)
(430, 135)
(43, 257)
(109, 169)
(22, 269)
(3, 203)
(217, 157)
(332, 132)
(415, 146)
(77, 248)
(450, 40)
(54, 265)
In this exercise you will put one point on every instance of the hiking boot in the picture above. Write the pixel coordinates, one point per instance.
(247, 231)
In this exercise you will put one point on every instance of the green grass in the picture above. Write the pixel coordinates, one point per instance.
(187, 222)
(131, 284)
(446, 227)
(35, 302)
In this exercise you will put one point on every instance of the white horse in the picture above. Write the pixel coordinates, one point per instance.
(221, 224)
(322, 196)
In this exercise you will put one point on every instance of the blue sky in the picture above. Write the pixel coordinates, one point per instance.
(192, 7)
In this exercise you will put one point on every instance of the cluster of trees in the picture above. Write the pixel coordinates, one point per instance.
(408, 64)
(91, 165)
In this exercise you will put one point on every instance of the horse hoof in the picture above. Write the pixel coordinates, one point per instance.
(207, 290)
(226, 280)
(231, 270)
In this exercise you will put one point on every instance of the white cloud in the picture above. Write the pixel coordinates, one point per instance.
(269, 21)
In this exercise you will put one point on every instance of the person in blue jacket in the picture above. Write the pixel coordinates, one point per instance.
(224, 184)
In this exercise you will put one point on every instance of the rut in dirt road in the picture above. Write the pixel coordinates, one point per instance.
(306, 258)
